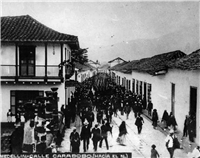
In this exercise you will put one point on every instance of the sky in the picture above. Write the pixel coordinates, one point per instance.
(100, 24)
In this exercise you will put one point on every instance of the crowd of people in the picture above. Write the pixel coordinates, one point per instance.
(39, 132)
(106, 103)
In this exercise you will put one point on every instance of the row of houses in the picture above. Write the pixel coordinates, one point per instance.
(33, 60)
(170, 80)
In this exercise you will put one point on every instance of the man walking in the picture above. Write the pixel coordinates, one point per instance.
(104, 135)
(169, 143)
(139, 122)
(85, 135)
(75, 141)
(96, 136)
(150, 107)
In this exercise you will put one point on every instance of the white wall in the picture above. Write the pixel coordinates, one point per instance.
(84, 75)
(8, 58)
(161, 92)
(8, 53)
(115, 62)
(122, 75)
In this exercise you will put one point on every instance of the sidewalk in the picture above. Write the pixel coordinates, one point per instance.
(185, 142)
(148, 136)
(138, 144)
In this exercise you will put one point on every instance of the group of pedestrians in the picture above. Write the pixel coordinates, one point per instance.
(189, 128)
(35, 136)
(107, 105)
(98, 134)
(169, 120)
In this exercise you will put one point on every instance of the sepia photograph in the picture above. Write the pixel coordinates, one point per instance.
(100, 79)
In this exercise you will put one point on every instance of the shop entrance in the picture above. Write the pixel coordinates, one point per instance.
(20, 98)
(193, 100)
(193, 105)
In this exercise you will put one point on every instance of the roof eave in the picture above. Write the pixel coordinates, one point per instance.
(56, 41)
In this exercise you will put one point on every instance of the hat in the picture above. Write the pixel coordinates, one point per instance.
(74, 128)
(96, 125)
(153, 146)
(171, 131)
(85, 122)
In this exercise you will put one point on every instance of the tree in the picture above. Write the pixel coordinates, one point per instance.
(80, 55)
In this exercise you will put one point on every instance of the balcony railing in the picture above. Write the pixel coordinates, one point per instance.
(10, 71)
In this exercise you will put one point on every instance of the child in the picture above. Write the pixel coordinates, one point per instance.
(154, 153)
(9, 116)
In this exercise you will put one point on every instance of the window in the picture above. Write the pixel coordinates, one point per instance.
(27, 60)
(173, 98)
(149, 91)
(133, 86)
(19, 98)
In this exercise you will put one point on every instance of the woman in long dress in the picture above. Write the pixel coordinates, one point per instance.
(109, 134)
(78, 124)
(122, 133)
(29, 140)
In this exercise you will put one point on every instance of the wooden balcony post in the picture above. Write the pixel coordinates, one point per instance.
(61, 60)
(16, 62)
(45, 80)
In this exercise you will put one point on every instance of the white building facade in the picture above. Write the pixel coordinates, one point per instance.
(29, 64)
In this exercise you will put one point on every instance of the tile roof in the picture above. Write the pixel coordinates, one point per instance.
(150, 65)
(104, 67)
(118, 67)
(188, 62)
(83, 67)
(158, 62)
(118, 58)
(26, 29)
(127, 68)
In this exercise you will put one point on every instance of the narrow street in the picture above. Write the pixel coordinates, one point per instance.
(138, 144)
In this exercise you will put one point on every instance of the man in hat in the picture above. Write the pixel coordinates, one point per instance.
(75, 141)
(17, 138)
(96, 136)
(169, 142)
(104, 130)
(85, 135)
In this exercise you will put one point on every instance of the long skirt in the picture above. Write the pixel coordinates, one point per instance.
(110, 139)
(121, 139)
(78, 124)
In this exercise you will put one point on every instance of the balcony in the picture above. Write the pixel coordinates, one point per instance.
(8, 72)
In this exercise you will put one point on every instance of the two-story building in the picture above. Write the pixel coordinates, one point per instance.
(30, 55)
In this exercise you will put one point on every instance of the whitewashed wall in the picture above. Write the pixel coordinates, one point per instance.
(122, 75)
(53, 58)
(161, 92)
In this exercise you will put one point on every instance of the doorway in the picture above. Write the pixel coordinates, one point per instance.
(173, 98)
(193, 100)
(193, 106)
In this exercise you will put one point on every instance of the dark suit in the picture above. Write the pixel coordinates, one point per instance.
(104, 131)
(85, 136)
(96, 137)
